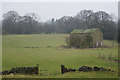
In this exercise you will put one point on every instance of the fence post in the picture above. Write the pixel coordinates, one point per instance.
(37, 69)
(99, 55)
(62, 69)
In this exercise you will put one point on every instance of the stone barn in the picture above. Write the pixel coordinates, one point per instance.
(86, 38)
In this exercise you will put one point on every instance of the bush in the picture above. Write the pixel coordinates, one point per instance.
(79, 42)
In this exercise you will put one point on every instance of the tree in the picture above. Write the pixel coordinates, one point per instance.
(104, 22)
(84, 14)
(32, 19)
(9, 22)
(118, 30)
(34, 16)
(13, 23)
(11, 15)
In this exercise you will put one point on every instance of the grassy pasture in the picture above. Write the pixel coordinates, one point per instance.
(49, 56)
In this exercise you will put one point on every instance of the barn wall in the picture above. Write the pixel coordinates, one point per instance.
(97, 37)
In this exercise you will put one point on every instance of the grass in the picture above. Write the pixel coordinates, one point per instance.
(49, 56)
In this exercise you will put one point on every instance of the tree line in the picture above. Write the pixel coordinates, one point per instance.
(30, 23)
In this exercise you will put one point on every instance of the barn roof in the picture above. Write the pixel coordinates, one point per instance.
(84, 30)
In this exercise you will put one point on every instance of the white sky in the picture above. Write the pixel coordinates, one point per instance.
(48, 10)
(59, 0)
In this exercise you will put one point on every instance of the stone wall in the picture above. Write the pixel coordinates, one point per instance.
(84, 69)
(22, 70)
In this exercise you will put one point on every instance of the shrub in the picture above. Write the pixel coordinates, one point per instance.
(79, 42)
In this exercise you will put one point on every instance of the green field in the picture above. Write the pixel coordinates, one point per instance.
(50, 56)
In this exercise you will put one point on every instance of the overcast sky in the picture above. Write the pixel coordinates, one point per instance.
(48, 10)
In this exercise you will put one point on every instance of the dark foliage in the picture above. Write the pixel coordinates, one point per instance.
(78, 42)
